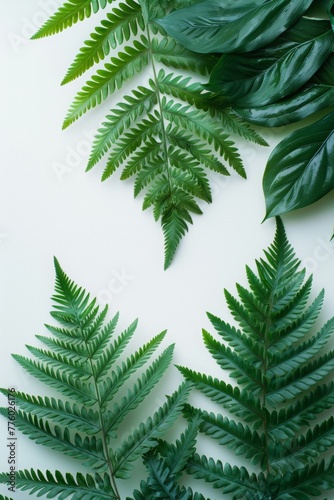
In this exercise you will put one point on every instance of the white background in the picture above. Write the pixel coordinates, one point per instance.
(99, 233)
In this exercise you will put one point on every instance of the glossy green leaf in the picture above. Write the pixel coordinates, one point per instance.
(329, 4)
(300, 170)
(317, 94)
(220, 26)
(269, 74)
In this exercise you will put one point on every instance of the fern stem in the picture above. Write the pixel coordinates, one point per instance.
(265, 367)
(103, 433)
(161, 113)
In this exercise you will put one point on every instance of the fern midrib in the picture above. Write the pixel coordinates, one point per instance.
(161, 112)
(104, 436)
(269, 323)
(98, 402)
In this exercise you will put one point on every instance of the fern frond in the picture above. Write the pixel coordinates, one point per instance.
(149, 166)
(196, 149)
(65, 413)
(121, 118)
(100, 391)
(240, 343)
(192, 123)
(177, 455)
(102, 336)
(311, 480)
(107, 355)
(174, 228)
(301, 379)
(130, 141)
(229, 479)
(288, 420)
(240, 368)
(198, 122)
(110, 385)
(124, 22)
(277, 358)
(293, 357)
(88, 450)
(296, 302)
(239, 127)
(80, 487)
(146, 434)
(241, 403)
(140, 389)
(70, 386)
(236, 436)
(107, 80)
(161, 484)
(74, 367)
(173, 54)
(68, 14)
(166, 465)
(299, 328)
(182, 88)
(297, 452)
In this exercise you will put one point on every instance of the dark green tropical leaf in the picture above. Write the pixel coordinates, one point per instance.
(281, 68)
(220, 26)
(300, 170)
(317, 94)
(329, 4)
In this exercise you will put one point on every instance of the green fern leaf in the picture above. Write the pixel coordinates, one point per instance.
(124, 22)
(146, 434)
(174, 228)
(99, 390)
(166, 465)
(147, 129)
(121, 118)
(85, 487)
(173, 54)
(282, 386)
(140, 389)
(287, 421)
(241, 403)
(306, 448)
(109, 79)
(177, 455)
(160, 483)
(70, 415)
(115, 379)
(88, 451)
(228, 479)
(197, 149)
(69, 14)
(234, 435)
(130, 141)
